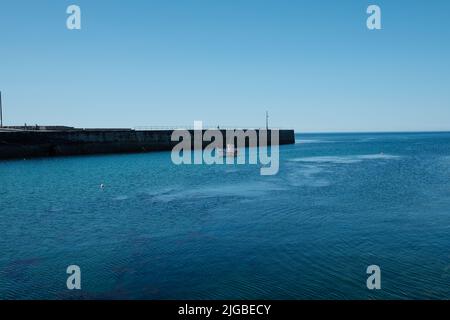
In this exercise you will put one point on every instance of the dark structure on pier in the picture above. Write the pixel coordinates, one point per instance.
(44, 141)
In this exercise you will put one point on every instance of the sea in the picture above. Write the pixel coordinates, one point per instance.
(156, 230)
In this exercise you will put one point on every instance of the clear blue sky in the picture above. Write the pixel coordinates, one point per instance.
(313, 64)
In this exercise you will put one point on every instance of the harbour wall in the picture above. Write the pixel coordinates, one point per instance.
(47, 143)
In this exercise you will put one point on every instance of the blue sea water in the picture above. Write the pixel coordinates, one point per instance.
(340, 203)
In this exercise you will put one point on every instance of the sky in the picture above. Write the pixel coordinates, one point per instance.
(313, 64)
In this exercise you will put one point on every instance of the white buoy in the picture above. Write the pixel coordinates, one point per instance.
(102, 186)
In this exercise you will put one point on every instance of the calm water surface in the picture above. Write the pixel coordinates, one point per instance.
(340, 203)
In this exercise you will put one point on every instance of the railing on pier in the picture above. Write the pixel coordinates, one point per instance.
(204, 127)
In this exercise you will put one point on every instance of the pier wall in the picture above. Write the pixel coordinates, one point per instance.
(26, 144)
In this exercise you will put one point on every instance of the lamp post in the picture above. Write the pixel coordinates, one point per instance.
(267, 120)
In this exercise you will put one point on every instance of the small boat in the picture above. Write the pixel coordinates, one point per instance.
(229, 151)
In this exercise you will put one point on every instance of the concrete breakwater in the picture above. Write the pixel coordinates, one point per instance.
(16, 142)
